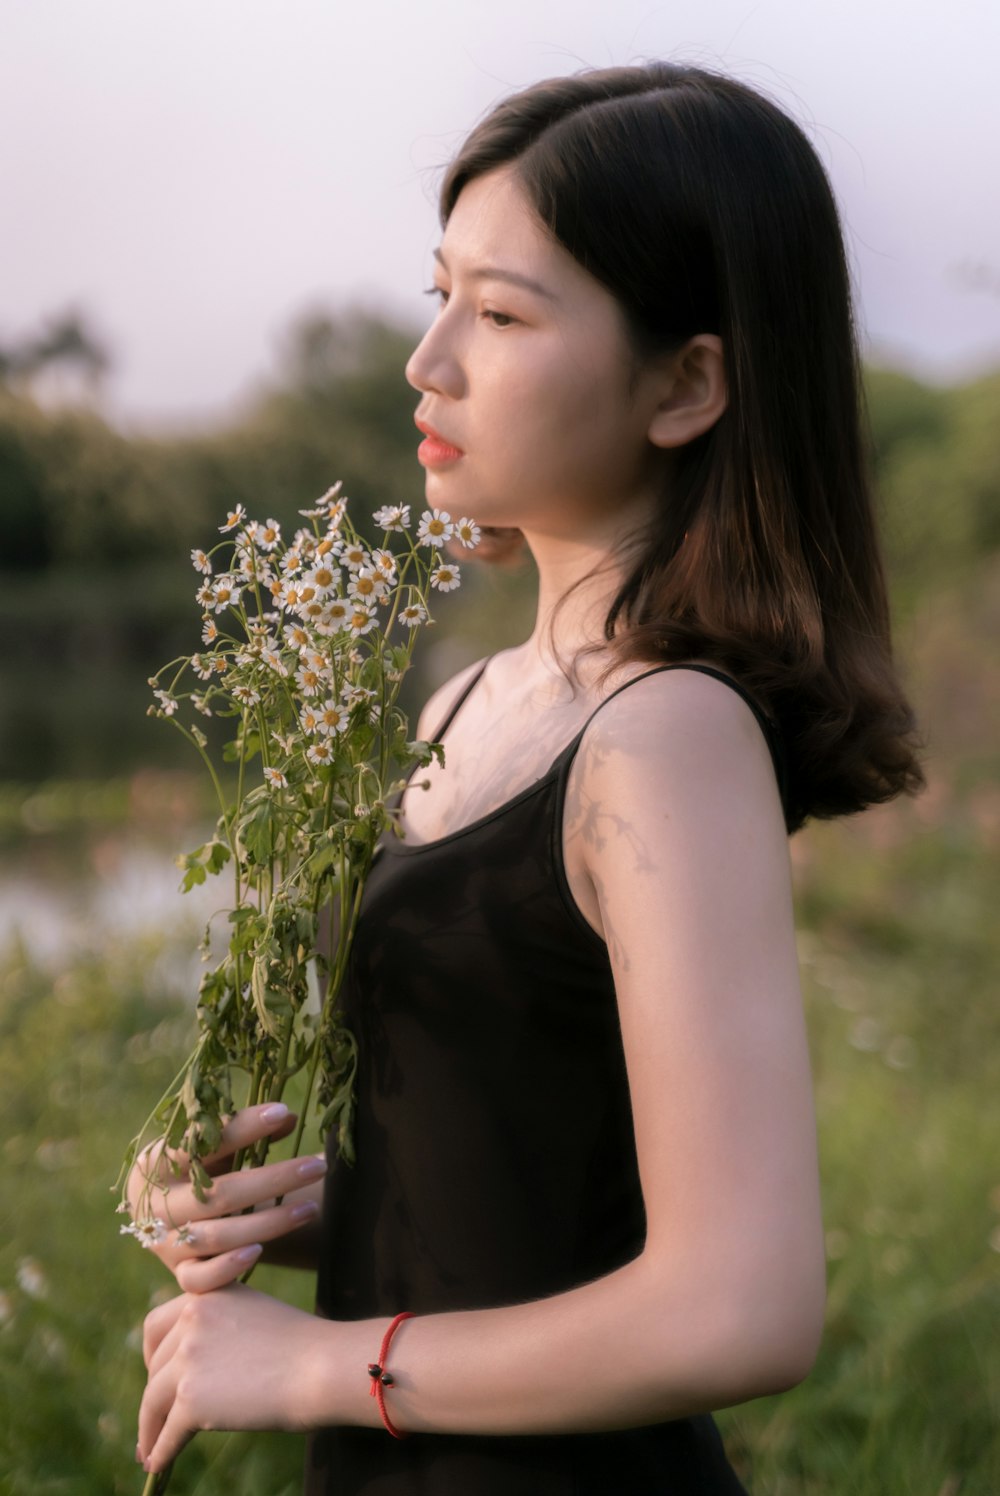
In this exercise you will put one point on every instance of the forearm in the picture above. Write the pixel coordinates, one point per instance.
(632, 1348)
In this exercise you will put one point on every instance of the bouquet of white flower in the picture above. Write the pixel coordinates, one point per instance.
(295, 651)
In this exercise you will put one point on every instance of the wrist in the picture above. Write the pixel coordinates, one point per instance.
(336, 1374)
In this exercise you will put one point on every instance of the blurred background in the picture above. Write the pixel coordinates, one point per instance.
(219, 222)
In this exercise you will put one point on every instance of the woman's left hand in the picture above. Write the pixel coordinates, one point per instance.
(230, 1359)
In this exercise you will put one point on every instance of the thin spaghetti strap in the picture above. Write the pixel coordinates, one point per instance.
(460, 698)
(771, 734)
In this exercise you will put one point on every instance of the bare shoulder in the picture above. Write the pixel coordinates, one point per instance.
(440, 701)
(683, 746)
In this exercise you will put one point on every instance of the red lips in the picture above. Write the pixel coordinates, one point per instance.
(429, 430)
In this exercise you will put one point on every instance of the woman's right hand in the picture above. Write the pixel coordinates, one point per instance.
(220, 1242)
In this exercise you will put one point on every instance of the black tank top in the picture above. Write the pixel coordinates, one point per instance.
(496, 1159)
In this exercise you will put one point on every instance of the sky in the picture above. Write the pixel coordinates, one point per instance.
(195, 175)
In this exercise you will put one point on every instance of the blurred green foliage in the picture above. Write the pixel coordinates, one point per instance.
(899, 949)
(895, 912)
(95, 589)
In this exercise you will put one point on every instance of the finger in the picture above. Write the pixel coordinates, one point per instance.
(175, 1433)
(243, 1128)
(161, 1423)
(204, 1275)
(214, 1237)
(231, 1193)
(158, 1323)
(181, 1211)
(270, 1119)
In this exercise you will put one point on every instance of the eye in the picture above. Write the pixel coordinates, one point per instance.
(505, 319)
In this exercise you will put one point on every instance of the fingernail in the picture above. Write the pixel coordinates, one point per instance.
(249, 1254)
(138, 1455)
(275, 1112)
(305, 1211)
(311, 1168)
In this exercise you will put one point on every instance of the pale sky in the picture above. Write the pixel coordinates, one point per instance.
(193, 174)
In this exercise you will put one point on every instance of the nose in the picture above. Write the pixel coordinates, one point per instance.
(432, 365)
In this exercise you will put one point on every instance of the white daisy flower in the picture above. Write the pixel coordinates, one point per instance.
(275, 779)
(245, 565)
(233, 518)
(286, 594)
(435, 527)
(220, 664)
(360, 696)
(320, 752)
(384, 562)
(200, 704)
(367, 585)
(323, 577)
(185, 1236)
(308, 680)
(226, 594)
(332, 717)
(205, 596)
(336, 513)
(445, 577)
(285, 742)
(393, 517)
(167, 702)
(467, 531)
(312, 609)
(149, 1233)
(270, 655)
(296, 636)
(246, 694)
(353, 694)
(268, 536)
(305, 543)
(291, 562)
(309, 720)
(362, 619)
(336, 615)
(201, 668)
(412, 614)
(201, 563)
(209, 631)
(355, 555)
(331, 494)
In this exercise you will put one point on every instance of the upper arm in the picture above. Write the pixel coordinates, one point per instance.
(689, 857)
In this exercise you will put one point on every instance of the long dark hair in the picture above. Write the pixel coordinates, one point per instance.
(702, 207)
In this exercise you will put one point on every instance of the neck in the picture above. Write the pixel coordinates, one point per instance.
(562, 562)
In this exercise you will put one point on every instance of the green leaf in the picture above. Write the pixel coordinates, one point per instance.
(218, 855)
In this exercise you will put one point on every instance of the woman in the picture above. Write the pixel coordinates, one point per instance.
(586, 1142)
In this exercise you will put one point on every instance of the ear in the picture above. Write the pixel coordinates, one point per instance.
(690, 392)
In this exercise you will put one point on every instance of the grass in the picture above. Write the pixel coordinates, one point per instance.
(900, 951)
(898, 955)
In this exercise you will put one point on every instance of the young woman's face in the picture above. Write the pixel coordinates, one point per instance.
(530, 384)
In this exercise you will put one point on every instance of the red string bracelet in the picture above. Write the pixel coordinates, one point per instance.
(382, 1378)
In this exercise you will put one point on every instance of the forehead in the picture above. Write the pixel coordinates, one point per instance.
(494, 224)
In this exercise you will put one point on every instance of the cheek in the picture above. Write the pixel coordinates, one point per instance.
(550, 416)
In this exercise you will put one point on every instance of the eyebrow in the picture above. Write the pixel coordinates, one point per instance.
(493, 272)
